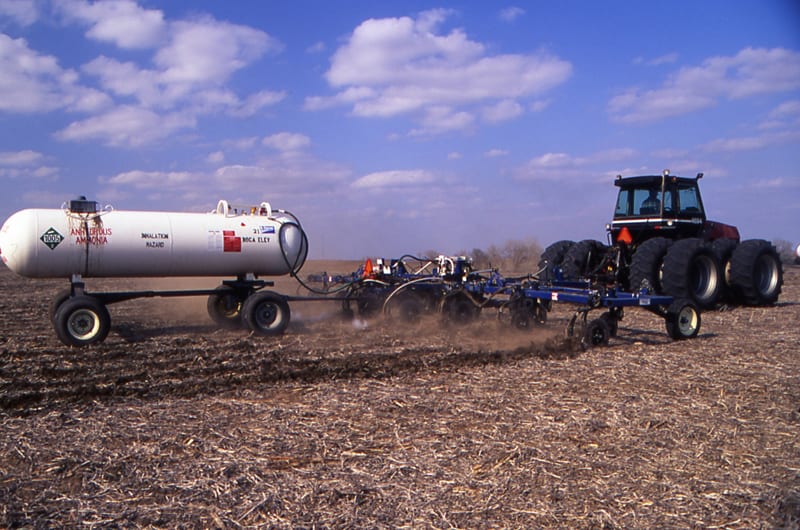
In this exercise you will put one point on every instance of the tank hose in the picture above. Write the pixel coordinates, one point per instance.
(294, 268)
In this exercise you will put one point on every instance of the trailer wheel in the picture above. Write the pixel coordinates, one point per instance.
(683, 319)
(458, 309)
(597, 333)
(552, 257)
(691, 270)
(266, 313)
(60, 297)
(646, 264)
(756, 272)
(225, 307)
(81, 321)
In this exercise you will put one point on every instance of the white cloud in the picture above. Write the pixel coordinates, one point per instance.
(126, 126)
(395, 179)
(193, 63)
(393, 66)
(24, 12)
(504, 110)
(494, 153)
(35, 83)
(152, 179)
(286, 141)
(317, 47)
(217, 157)
(24, 164)
(121, 22)
(668, 58)
(509, 14)
(207, 51)
(563, 166)
(751, 72)
(20, 158)
(751, 143)
(438, 120)
(255, 102)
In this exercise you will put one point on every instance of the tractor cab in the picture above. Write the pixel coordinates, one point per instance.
(662, 206)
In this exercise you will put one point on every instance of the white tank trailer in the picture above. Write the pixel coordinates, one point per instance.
(82, 240)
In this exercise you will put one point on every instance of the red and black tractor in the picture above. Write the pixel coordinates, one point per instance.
(661, 240)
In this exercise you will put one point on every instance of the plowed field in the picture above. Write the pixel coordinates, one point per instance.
(349, 424)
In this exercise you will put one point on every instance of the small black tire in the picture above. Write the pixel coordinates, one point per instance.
(683, 319)
(756, 272)
(596, 333)
(646, 265)
(81, 321)
(552, 257)
(225, 307)
(612, 321)
(266, 313)
(691, 270)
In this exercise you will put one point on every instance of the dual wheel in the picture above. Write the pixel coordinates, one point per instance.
(747, 273)
(262, 312)
(83, 319)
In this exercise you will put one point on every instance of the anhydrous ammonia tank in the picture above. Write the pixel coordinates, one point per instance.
(84, 240)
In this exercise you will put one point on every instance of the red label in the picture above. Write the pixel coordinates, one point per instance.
(230, 242)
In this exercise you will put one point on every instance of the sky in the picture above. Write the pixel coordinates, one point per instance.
(399, 127)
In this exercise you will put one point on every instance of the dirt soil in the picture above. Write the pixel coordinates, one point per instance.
(173, 423)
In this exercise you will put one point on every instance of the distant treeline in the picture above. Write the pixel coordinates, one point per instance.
(513, 256)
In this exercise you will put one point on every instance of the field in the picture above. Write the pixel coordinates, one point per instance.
(339, 424)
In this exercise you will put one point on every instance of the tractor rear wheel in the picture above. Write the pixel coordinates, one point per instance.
(646, 265)
(552, 257)
(691, 270)
(756, 272)
(582, 258)
(723, 249)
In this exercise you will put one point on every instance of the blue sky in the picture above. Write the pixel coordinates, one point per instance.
(401, 127)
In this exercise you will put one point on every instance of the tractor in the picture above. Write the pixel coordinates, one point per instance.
(661, 240)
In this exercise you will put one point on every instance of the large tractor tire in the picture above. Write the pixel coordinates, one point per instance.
(756, 272)
(552, 257)
(691, 270)
(646, 265)
(723, 249)
(582, 258)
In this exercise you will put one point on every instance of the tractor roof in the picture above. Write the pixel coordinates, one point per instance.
(645, 180)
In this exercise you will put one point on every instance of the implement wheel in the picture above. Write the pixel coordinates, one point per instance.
(266, 313)
(405, 307)
(81, 321)
(458, 309)
(597, 333)
(683, 320)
